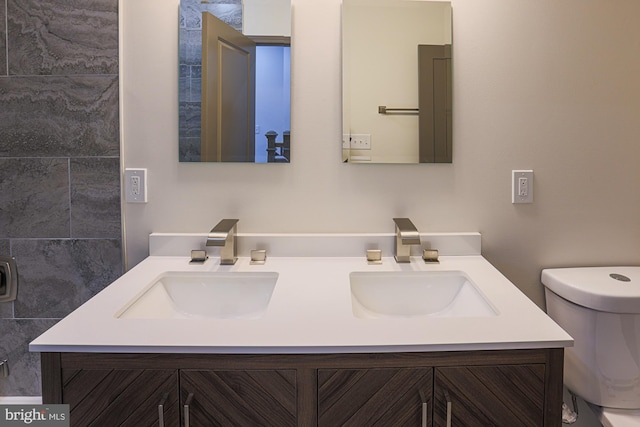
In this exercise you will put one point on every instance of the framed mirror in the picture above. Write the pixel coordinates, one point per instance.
(235, 79)
(396, 81)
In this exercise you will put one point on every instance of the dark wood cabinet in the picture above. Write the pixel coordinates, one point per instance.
(473, 396)
(374, 397)
(482, 396)
(472, 388)
(239, 398)
(121, 397)
(171, 398)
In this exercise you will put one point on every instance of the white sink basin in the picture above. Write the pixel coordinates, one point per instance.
(172, 295)
(410, 294)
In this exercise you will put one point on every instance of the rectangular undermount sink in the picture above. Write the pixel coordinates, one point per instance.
(410, 294)
(214, 295)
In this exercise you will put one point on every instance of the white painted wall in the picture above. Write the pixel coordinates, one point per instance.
(266, 17)
(380, 66)
(542, 84)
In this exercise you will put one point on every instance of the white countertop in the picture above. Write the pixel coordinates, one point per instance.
(309, 312)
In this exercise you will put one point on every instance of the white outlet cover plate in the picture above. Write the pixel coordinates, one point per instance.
(361, 141)
(516, 186)
(132, 195)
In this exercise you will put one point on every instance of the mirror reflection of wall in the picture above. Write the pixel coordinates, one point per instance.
(211, 112)
(381, 68)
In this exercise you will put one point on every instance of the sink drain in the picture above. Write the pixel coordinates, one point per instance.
(619, 277)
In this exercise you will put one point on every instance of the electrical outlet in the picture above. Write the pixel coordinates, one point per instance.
(361, 141)
(522, 186)
(135, 185)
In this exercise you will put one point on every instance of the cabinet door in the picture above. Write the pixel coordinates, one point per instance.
(121, 397)
(239, 398)
(483, 396)
(374, 397)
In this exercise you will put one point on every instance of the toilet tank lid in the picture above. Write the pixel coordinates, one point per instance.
(597, 287)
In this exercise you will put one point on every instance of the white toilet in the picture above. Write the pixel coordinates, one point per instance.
(600, 308)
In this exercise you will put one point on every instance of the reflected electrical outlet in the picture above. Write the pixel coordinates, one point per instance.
(361, 141)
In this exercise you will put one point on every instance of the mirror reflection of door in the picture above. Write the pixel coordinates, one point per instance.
(268, 24)
(228, 93)
(435, 97)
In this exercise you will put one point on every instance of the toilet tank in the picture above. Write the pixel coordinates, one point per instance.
(600, 308)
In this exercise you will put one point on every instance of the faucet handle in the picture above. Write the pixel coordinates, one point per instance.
(430, 256)
(198, 256)
(374, 256)
(258, 257)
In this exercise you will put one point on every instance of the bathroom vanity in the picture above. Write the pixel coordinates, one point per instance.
(336, 341)
(498, 387)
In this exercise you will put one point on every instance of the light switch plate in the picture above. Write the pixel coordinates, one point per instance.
(521, 186)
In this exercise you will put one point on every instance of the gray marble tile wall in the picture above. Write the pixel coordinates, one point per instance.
(59, 167)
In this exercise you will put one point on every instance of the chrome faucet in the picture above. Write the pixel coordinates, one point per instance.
(224, 235)
(406, 236)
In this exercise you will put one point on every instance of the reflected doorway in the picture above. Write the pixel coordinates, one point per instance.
(273, 94)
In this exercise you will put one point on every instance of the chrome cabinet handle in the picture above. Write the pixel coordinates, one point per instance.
(424, 414)
(449, 409)
(161, 409)
(424, 409)
(186, 409)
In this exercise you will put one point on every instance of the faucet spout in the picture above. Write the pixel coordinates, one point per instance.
(224, 235)
(407, 235)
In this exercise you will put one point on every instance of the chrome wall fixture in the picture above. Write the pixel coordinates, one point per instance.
(8, 279)
(383, 109)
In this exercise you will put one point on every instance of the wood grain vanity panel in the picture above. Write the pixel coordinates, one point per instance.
(507, 395)
(241, 398)
(489, 387)
(373, 397)
(51, 374)
(106, 397)
(554, 373)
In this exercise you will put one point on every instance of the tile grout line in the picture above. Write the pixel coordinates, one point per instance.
(6, 36)
(57, 157)
(17, 76)
(70, 213)
(63, 238)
